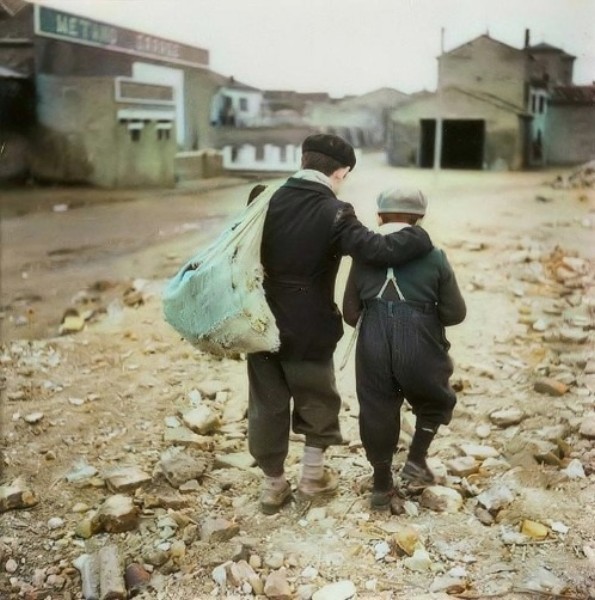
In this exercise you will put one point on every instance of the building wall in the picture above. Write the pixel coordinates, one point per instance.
(571, 134)
(551, 66)
(487, 66)
(81, 139)
(503, 143)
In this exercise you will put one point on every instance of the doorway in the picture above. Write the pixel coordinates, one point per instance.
(463, 142)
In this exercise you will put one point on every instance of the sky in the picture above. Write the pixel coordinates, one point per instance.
(346, 47)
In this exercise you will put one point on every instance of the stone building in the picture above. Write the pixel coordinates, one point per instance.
(494, 108)
(113, 106)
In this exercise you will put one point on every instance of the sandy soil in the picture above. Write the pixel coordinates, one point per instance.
(104, 393)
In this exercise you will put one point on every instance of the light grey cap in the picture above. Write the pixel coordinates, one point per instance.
(402, 200)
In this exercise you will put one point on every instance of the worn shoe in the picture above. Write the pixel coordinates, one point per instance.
(381, 500)
(272, 500)
(314, 488)
(417, 475)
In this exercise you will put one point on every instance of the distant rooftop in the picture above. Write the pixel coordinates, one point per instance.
(574, 94)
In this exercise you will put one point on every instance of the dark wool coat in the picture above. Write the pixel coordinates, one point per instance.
(306, 232)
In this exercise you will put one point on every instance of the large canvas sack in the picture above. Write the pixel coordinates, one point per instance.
(216, 301)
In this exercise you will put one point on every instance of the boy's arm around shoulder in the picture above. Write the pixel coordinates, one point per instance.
(352, 304)
(362, 244)
(452, 309)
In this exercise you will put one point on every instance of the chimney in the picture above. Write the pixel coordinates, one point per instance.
(527, 37)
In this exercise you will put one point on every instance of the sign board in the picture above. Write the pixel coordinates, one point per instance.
(60, 25)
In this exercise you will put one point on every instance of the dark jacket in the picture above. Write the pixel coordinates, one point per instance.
(426, 281)
(306, 232)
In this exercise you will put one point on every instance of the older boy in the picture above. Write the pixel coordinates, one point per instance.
(402, 351)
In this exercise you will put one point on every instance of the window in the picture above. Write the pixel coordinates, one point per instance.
(541, 104)
(244, 104)
(163, 134)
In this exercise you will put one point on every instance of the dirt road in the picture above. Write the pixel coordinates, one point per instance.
(110, 396)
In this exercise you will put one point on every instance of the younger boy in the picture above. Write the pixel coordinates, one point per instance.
(402, 351)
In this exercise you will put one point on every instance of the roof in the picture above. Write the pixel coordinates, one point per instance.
(574, 94)
(543, 47)
(486, 36)
(232, 83)
(6, 73)
(11, 7)
(482, 97)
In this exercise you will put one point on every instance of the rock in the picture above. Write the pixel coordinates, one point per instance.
(453, 582)
(543, 581)
(574, 469)
(172, 422)
(559, 527)
(479, 451)
(463, 466)
(16, 495)
(587, 428)
(573, 335)
(182, 436)
(55, 523)
(180, 468)
(111, 579)
(340, 590)
(201, 420)
(11, 566)
(441, 499)
(406, 538)
(210, 387)
(236, 460)
(534, 530)
(483, 431)
(88, 567)
(550, 386)
(420, 561)
(125, 479)
(117, 514)
(239, 573)
(33, 418)
(235, 410)
(136, 578)
(496, 497)
(274, 560)
(219, 575)
(218, 530)
(277, 587)
(82, 472)
(506, 417)
(72, 322)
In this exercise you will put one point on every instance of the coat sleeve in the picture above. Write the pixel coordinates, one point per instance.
(452, 309)
(352, 304)
(395, 249)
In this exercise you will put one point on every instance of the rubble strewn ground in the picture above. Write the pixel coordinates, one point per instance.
(125, 468)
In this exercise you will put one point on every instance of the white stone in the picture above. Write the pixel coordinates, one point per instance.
(420, 561)
(587, 428)
(479, 451)
(496, 497)
(340, 590)
(507, 416)
(55, 523)
(574, 469)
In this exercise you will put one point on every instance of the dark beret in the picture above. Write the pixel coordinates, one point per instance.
(331, 145)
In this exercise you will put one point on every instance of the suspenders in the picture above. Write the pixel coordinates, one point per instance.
(390, 278)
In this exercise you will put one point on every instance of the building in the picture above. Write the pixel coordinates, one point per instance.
(495, 108)
(113, 106)
(237, 105)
